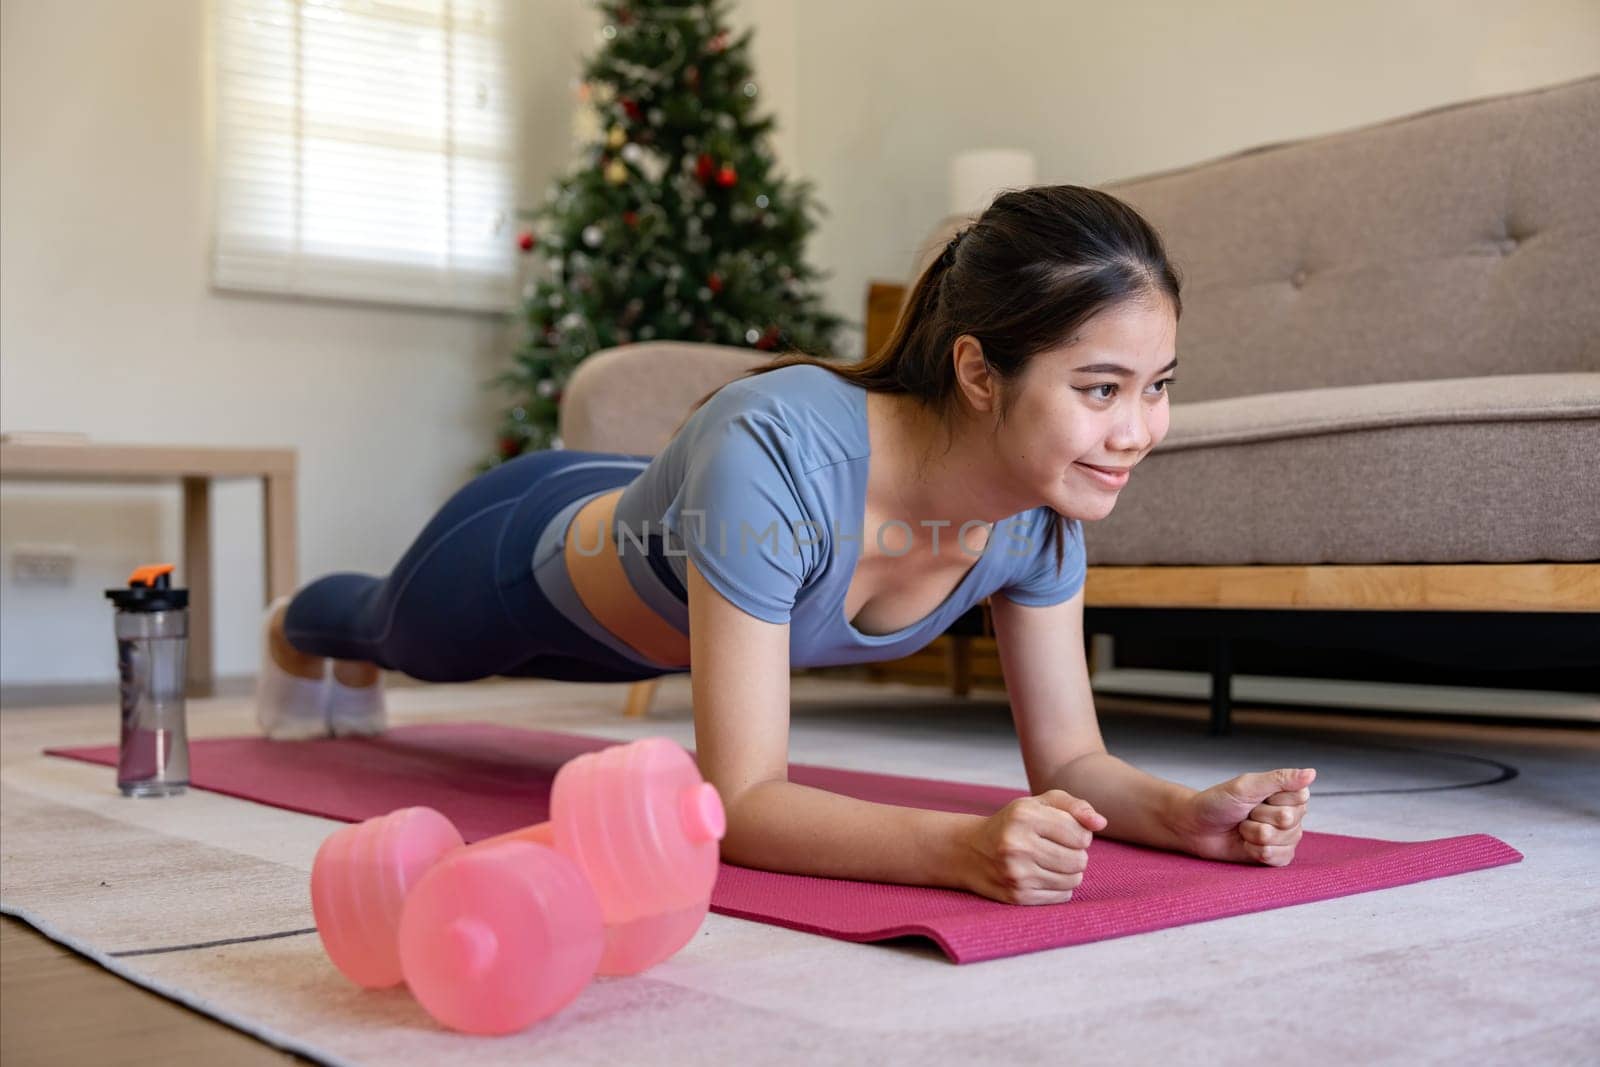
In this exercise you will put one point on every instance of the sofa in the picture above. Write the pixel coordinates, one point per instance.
(1389, 388)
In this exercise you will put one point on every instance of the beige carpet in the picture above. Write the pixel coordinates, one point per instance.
(201, 898)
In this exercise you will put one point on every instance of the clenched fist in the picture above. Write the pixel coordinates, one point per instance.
(1254, 818)
(1032, 851)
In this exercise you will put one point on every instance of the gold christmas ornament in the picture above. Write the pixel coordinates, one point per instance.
(616, 172)
(617, 137)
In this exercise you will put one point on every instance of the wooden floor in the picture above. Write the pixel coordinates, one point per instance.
(47, 992)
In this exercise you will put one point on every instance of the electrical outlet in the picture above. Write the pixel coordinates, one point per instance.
(42, 566)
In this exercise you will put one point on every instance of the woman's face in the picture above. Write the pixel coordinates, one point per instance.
(1082, 415)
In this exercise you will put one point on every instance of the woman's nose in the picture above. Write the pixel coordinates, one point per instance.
(1132, 433)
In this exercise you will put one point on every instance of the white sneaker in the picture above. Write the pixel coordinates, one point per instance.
(288, 707)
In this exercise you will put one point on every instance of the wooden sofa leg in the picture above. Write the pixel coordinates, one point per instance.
(958, 664)
(640, 696)
(1221, 687)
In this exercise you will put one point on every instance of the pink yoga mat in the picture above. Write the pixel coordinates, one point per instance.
(489, 779)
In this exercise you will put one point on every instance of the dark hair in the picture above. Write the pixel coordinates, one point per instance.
(1036, 265)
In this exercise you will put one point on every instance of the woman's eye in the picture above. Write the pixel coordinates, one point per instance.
(1094, 390)
(1166, 384)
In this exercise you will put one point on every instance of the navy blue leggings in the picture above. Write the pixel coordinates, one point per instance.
(462, 603)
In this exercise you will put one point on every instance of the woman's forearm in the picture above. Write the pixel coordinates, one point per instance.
(1136, 805)
(795, 829)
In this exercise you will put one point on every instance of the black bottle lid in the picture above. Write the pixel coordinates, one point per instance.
(150, 589)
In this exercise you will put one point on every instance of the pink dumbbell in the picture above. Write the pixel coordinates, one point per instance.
(496, 935)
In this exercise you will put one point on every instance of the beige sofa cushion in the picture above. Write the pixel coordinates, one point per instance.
(1453, 243)
(1313, 412)
(1504, 468)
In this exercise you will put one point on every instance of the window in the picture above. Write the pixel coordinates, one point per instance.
(364, 151)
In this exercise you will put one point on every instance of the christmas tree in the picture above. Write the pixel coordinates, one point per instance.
(673, 225)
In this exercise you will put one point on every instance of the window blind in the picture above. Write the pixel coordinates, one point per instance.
(364, 151)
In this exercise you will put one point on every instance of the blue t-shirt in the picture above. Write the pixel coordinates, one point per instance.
(764, 488)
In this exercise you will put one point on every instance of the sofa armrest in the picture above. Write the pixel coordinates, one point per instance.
(630, 398)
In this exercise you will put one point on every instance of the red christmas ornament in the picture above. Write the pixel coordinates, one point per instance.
(633, 110)
(527, 241)
(509, 447)
(691, 77)
(624, 17)
(769, 339)
(727, 175)
(714, 282)
(704, 166)
(631, 218)
(717, 43)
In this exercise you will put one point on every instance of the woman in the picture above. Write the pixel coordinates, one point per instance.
(810, 514)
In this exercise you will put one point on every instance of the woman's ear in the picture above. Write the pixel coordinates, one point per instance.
(974, 377)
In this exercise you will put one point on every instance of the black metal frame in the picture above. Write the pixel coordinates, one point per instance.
(1537, 640)
(1552, 640)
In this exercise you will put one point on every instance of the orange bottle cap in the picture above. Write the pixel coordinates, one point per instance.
(148, 574)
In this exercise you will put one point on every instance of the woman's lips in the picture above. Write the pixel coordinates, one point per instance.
(1110, 479)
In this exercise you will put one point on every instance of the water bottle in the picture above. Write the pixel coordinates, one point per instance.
(152, 624)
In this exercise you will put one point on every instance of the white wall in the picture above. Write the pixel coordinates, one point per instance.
(107, 323)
